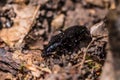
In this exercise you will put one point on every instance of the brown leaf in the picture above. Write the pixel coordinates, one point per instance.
(22, 24)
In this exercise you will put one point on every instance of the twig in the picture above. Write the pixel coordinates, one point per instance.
(85, 52)
(34, 16)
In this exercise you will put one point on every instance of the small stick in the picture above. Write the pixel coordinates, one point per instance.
(85, 52)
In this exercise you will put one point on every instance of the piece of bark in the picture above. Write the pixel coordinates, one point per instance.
(7, 64)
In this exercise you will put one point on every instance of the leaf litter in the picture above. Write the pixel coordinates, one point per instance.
(32, 30)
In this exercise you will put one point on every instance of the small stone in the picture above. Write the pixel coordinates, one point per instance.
(98, 29)
(58, 21)
(49, 14)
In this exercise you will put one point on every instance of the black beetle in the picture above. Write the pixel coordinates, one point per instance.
(70, 40)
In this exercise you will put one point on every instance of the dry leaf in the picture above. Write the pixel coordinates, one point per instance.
(35, 72)
(45, 69)
(22, 24)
